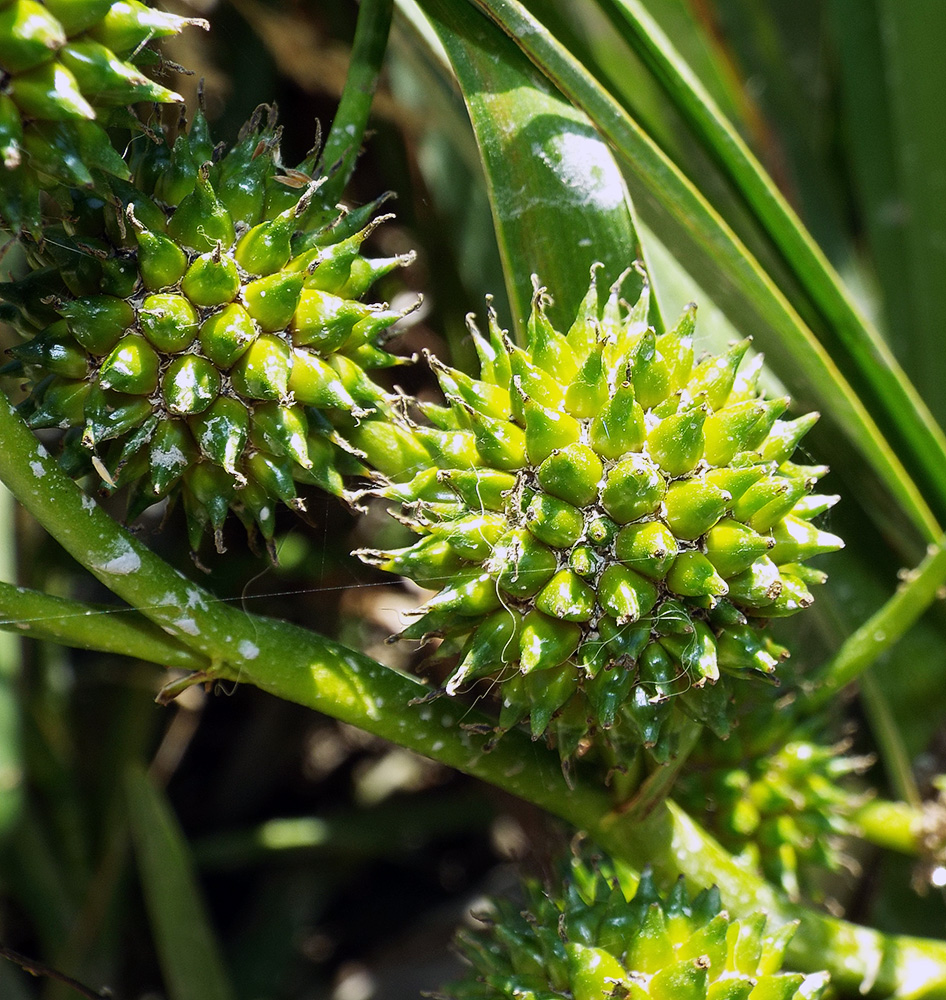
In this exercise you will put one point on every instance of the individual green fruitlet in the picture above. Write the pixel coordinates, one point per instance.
(646, 516)
(192, 306)
(68, 71)
(595, 937)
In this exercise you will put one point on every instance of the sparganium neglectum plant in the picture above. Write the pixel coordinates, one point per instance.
(195, 332)
(608, 520)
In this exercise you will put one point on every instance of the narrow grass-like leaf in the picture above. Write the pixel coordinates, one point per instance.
(457, 230)
(914, 35)
(870, 144)
(11, 743)
(717, 258)
(388, 829)
(558, 199)
(38, 879)
(348, 127)
(187, 949)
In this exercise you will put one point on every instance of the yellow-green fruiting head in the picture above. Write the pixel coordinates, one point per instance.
(587, 940)
(787, 814)
(608, 521)
(67, 69)
(200, 332)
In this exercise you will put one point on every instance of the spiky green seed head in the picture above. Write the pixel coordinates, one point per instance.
(200, 332)
(590, 941)
(68, 69)
(608, 522)
(787, 814)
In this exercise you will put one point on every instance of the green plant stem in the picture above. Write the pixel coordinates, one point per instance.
(889, 824)
(659, 188)
(655, 788)
(351, 119)
(879, 632)
(92, 626)
(863, 344)
(305, 668)
(283, 659)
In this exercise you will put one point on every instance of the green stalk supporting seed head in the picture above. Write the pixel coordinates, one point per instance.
(199, 334)
(68, 69)
(590, 942)
(608, 522)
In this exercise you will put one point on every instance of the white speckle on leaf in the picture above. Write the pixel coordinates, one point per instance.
(38, 469)
(437, 746)
(187, 625)
(195, 599)
(41, 451)
(585, 164)
(168, 458)
(248, 650)
(121, 561)
(88, 503)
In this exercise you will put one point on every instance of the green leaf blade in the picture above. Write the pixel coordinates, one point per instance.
(543, 160)
(187, 948)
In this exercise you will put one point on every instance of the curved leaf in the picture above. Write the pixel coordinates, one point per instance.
(190, 957)
(544, 163)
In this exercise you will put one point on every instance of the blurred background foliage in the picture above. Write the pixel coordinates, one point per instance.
(329, 863)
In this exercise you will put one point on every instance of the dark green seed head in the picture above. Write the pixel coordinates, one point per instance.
(594, 935)
(168, 343)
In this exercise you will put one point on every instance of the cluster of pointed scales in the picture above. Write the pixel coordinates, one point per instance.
(68, 68)
(787, 814)
(608, 519)
(589, 942)
(195, 332)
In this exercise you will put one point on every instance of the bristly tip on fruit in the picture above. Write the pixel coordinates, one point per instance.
(607, 521)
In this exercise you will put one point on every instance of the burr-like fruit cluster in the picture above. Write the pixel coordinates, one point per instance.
(608, 520)
(197, 333)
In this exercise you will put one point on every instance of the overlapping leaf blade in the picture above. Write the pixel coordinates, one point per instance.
(544, 163)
